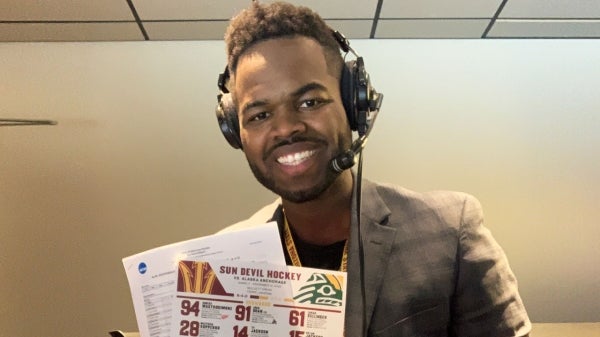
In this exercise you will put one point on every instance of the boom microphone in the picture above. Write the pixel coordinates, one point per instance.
(347, 159)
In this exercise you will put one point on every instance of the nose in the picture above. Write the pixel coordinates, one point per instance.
(287, 122)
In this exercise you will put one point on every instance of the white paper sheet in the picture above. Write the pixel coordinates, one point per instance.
(152, 274)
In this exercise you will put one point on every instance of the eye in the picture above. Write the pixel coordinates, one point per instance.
(257, 117)
(312, 103)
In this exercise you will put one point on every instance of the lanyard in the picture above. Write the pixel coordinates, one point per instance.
(291, 248)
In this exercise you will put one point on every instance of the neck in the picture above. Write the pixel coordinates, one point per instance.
(326, 219)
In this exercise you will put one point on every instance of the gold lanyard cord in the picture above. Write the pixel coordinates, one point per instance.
(293, 253)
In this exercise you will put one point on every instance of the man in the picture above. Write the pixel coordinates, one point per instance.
(426, 266)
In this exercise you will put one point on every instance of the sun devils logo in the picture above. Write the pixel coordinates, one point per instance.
(200, 278)
(322, 289)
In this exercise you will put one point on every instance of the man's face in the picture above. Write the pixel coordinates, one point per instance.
(292, 121)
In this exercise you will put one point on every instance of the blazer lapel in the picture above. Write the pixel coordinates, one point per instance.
(377, 243)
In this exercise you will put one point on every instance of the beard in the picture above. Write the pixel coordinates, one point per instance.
(296, 196)
(303, 195)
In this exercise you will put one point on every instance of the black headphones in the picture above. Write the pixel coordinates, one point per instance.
(360, 100)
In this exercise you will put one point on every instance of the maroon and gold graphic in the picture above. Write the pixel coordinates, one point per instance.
(199, 278)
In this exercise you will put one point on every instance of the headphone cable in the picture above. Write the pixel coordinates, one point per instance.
(361, 252)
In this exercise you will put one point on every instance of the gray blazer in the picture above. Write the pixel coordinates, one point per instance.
(430, 267)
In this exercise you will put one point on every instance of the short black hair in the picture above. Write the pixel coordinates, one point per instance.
(260, 22)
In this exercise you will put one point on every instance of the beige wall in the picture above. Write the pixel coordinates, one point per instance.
(137, 161)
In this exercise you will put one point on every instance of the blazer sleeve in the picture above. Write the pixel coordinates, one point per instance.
(486, 300)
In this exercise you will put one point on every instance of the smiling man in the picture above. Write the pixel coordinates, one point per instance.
(425, 262)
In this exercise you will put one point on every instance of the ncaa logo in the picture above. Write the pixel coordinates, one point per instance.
(142, 268)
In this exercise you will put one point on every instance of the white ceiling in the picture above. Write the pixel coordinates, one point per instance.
(137, 20)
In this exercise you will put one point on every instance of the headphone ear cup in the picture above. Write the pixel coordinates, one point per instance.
(228, 120)
(348, 92)
(356, 95)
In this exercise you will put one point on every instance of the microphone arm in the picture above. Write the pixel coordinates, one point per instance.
(347, 159)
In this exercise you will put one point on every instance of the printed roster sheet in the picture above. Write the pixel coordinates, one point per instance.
(239, 299)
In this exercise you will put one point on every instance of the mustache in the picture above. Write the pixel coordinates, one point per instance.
(291, 140)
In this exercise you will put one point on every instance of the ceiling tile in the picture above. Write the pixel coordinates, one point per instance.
(426, 28)
(551, 9)
(117, 31)
(188, 9)
(65, 10)
(186, 30)
(546, 28)
(224, 10)
(439, 9)
(352, 29)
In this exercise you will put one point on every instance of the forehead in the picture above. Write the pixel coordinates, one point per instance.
(281, 64)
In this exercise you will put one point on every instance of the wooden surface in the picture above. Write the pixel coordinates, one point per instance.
(565, 330)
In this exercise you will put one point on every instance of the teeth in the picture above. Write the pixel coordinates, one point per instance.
(295, 158)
